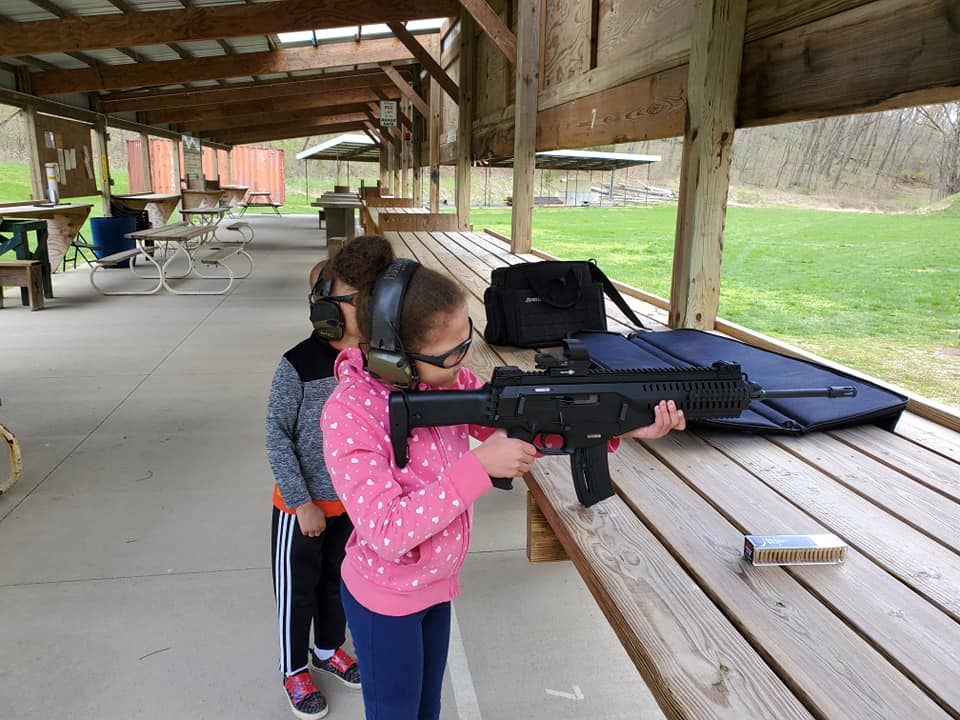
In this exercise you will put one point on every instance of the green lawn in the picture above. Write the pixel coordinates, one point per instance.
(880, 293)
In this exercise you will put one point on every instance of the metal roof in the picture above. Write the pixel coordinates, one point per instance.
(358, 148)
(580, 160)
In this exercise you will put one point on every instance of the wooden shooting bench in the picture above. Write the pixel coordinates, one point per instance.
(378, 219)
(714, 637)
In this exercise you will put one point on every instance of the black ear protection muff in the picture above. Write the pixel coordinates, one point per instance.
(325, 314)
(387, 359)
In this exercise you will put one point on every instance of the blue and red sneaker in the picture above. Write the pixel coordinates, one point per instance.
(306, 700)
(343, 667)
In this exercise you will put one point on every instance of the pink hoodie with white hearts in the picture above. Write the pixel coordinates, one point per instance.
(412, 525)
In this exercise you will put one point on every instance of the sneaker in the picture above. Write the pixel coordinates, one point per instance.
(343, 667)
(306, 700)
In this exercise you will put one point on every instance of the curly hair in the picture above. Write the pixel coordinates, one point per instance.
(360, 261)
(430, 297)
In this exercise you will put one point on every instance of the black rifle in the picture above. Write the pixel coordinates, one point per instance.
(586, 407)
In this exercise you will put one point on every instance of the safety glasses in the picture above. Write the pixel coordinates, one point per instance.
(451, 358)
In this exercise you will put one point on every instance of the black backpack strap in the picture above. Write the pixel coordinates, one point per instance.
(611, 292)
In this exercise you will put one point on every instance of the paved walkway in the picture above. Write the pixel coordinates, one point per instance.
(134, 552)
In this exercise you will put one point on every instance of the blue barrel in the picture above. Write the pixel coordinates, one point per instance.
(108, 236)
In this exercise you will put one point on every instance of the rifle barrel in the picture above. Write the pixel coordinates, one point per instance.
(829, 392)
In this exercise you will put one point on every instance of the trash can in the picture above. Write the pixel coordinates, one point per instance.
(108, 236)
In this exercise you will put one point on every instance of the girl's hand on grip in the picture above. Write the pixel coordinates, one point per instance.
(505, 457)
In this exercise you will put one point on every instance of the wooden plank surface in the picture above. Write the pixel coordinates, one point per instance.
(912, 633)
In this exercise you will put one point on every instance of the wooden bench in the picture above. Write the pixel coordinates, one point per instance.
(714, 637)
(408, 219)
(25, 274)
(222, 250)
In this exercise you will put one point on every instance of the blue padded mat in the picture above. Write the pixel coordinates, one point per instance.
(773, 371)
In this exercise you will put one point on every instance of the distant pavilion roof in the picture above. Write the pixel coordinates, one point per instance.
(358, 148)
(361, 148)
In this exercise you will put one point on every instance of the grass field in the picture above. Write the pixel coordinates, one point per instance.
(879, 293)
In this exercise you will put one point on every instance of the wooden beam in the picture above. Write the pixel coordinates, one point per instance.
(525, 123)
(467, 74)
(208, 23)
(494, 27)
(142, 101)
(222, 66)
(405, 88)
(324, 104)
(385, 133)
(307, 117)
(426, 59)
(267, 133)
(715, 58)
(283, 123)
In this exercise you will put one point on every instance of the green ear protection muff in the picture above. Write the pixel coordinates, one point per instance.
(386, 359)
(325, 313)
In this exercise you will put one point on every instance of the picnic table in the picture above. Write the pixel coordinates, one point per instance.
(712, 636)
(20, 232)
(233, 195)
(63, 220)
(186, 245)
(260, 198)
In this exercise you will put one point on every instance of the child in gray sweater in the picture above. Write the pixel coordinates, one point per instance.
(310, 526)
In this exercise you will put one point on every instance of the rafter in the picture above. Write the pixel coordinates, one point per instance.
(316, 102)
(426, 59)
(282, 133)
(338, 114)
(209, 23)
(242, 92)
(222, 66)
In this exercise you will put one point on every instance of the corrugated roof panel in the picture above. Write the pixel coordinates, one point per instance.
(87, 7)
(255, 43)
(24, 11)
(202, 48)
(203, 83)
(110, 56)
(61, 61)
(272, 76)
(156, 53)
(236, 80)
(153, 5)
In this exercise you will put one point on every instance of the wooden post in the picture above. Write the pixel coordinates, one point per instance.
(419, 123)
(436, 114)
(384, 161)
(525, 125)
(100, 133)
(230, 167)
(38, 178)
(542, 544)
(714, 77)
(176, 165)
(145, 160)
(396, 153)
(468, 46)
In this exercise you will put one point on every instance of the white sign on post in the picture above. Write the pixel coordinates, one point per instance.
(388, 113)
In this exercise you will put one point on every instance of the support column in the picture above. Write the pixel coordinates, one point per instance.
(384, 160)
(419, 123)
(100, 133)
(468, 45)
(230, 166)
(145, 161)
(436, 114)
(715, 55)
(525, 125)
(396, 150)
(38, 178)
(177, 172)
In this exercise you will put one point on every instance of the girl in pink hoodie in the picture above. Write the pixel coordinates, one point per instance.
(412, 525)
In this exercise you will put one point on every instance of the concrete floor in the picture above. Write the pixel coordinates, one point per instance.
(134, 551)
